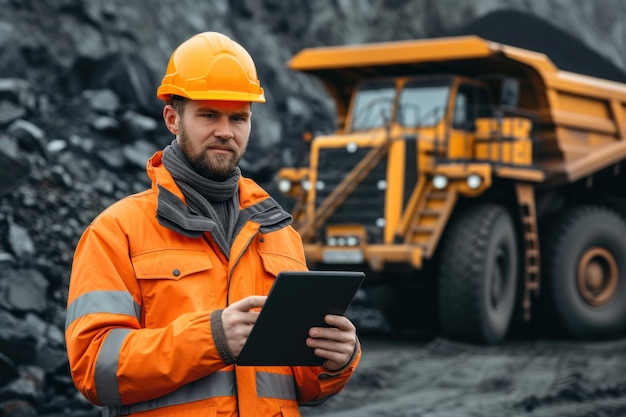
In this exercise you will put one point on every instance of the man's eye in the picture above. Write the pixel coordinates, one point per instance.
(209, 115)
(238, 118)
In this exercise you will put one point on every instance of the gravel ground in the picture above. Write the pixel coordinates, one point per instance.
(417, 376)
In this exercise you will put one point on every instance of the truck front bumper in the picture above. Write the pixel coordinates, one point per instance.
(376, 256)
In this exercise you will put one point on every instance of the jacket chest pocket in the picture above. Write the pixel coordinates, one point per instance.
(275, 263)
(173, 282)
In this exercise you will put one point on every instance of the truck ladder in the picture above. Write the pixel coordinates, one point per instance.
(526, 202)
(345, 187)
(430, 217)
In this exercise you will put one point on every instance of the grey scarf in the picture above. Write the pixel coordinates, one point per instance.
(213, 206)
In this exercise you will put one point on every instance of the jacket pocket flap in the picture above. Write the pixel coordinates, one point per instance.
(275, 263)
(170, 264)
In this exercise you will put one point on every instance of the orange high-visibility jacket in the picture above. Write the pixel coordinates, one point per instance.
(138, 327)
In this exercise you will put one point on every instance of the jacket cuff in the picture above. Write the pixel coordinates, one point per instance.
(219, 338)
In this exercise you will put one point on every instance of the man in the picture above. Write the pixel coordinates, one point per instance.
(166, 284)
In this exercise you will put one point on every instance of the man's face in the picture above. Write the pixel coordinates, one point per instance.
(212, 134)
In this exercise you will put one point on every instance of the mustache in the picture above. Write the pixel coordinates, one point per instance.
(223, 144)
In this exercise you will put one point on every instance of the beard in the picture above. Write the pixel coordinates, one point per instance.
(218, 167)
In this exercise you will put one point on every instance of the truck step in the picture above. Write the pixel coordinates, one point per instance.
(422, 229)
(430, 212)
(437, 195)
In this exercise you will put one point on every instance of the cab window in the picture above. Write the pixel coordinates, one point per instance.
(472, 101)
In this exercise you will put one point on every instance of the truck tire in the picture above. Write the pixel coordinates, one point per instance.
(478, 275)
(585, 272)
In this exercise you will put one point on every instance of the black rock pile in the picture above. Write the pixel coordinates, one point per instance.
(53, 183)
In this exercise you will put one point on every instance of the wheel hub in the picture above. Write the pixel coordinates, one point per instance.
(597, 276)
(498, 279)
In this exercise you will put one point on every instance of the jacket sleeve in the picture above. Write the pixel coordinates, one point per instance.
(113, 360)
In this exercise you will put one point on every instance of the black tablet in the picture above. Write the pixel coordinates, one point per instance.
(296, 302)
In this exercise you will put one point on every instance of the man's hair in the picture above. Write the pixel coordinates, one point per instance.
(178, 103)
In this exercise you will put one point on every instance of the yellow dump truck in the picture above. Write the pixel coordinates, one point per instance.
(473, 170)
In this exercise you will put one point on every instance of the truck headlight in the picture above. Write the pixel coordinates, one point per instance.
(284, 186)
(440, 181)
(474, 181)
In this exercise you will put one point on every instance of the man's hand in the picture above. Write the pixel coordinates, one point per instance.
(237, 321)
(335, 344)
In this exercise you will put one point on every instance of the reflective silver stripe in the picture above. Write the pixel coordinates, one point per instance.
(115, 302)
(219, 384)
(269, 385)
(106, 367)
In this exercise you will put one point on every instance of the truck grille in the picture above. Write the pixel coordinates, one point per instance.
(366, 204)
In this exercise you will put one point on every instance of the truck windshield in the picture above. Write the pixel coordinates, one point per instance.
(372, 105)
(422, 103)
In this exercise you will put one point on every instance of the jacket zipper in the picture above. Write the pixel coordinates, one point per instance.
(230, 274)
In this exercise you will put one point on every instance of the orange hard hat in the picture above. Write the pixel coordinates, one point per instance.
(211, 66)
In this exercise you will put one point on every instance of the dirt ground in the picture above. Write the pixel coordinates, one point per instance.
(413, 376)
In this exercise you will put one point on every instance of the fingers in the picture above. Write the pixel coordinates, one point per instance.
(241, 312)
(340, 322)
(237, 321)
(249, 303)
(341, 329)
(335, 344)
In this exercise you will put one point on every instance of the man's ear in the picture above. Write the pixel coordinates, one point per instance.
(171, 118)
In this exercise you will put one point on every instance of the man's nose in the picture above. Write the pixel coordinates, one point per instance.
(223, 130)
